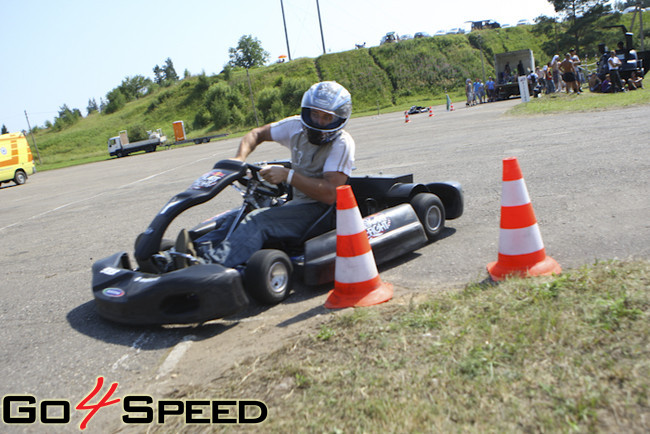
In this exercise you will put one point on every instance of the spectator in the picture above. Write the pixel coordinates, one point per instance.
(555, 68)
(576, 64)
(594, 82)
(635, 82)
(614, 64)
(606, 85)
(550, 84)
(569, 74)
(469, 92)
(477, 91)
(520, 69)
(491, 90)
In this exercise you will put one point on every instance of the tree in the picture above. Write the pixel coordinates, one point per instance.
(248, 53)
(92, 106)
(4, 129)
(581, 14)
(166, 74)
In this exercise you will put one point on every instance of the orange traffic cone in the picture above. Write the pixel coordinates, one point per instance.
(521, 250)
(430, 111)
(356, 280)
(406, 118)
(452, 107)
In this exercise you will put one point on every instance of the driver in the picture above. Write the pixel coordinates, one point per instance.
(322, 156)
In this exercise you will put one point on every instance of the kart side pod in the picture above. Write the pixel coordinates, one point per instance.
(392, 232)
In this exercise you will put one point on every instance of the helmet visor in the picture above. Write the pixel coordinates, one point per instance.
(321, 120)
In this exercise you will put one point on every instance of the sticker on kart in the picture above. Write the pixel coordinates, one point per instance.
(377, 225)
(208, 180)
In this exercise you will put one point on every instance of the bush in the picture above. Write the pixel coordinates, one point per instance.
(270, 105)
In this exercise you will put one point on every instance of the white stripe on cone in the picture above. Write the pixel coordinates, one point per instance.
(355, 269)
(514, 193)
(349, 221)
(520, 241)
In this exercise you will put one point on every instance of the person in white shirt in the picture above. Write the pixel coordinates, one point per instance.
(322, 156)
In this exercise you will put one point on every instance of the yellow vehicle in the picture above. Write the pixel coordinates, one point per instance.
(16, 160)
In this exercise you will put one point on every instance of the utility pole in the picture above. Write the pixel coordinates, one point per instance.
(286, 35)
(33, 140)
(321, 26)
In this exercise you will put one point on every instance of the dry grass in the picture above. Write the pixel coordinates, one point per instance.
(569, 353)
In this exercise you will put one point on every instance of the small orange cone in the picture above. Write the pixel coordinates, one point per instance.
(406, 118)
(452, 107)
(356, 280)
(521, 250)
(430, 111)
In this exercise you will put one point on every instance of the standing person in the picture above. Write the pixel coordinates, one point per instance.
(322, 155)
(548, 71)
(469, 92)
(476, 90)
(555, 68)
(569, 74)
(576, 64)
(491, 89)
(614, 64)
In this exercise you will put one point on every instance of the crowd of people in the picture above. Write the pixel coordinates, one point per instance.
(558, 75)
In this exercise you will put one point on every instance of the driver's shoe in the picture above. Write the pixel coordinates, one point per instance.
(184, 245)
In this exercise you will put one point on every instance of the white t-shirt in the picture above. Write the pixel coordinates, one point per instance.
(313, 160)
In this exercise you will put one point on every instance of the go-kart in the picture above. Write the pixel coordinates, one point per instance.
(400, 216)
(418, 109)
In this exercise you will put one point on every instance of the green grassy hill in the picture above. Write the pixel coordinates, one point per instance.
(384, 78)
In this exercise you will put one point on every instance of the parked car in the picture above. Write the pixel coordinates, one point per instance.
(631, 9)
(440, 33)
(523, 23)
(456, 31)
(389, 38)
(421, 35)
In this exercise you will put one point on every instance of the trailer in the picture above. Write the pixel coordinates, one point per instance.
(121, 146)
(180, 138)
(508, 67)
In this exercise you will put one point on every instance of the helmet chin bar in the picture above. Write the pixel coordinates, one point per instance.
(317, 137)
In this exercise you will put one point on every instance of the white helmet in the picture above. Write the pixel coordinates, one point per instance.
(329, 97)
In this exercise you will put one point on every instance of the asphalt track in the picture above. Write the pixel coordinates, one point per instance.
(587, 175)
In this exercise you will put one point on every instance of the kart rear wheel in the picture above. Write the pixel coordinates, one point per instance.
(269, 276)
(430, 212)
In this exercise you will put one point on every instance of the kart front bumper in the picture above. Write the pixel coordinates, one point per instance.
(190, 295)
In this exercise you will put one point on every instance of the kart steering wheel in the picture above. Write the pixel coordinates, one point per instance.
(264, 187)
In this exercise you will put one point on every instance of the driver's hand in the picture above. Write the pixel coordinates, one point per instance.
(274, 174)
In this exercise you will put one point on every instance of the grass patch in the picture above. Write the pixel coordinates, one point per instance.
(586, 101)
(537, 355)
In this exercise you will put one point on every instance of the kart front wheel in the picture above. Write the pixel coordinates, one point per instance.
(268, 276)
(430, 212)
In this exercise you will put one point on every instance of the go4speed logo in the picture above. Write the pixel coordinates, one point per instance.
(137, 409)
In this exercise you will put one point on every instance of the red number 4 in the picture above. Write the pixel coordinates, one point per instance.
(94, 408)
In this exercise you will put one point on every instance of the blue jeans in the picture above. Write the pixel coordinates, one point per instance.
(288, 222)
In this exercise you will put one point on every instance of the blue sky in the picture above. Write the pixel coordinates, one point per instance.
(68, 51)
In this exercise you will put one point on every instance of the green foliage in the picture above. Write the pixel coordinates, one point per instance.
(367, 82)
(411, 72)
(224, 104)
(116, 100)
(165, 75)
(66, 118)
(269, 104)
(248, 53)
(4, 129)
(137, 132)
